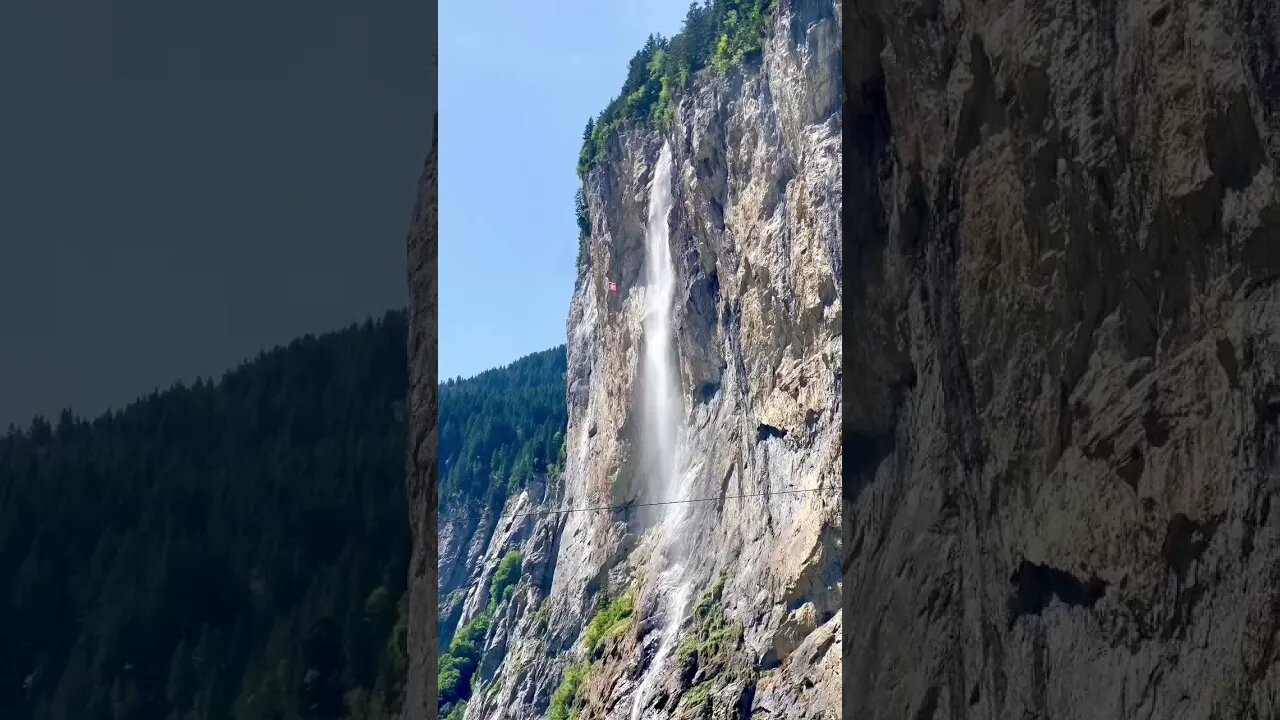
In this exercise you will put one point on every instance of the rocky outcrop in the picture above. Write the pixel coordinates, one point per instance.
(421, 480)
(756, 243)
(1063, 315)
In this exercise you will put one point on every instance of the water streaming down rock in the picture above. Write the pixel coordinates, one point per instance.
(675, 598)
(663, 412)
(660, 391)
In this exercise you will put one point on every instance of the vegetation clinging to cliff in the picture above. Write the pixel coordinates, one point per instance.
(565, 696)
(713, 635)
(505, 579)
(458, 663)
(612, 619)
(717, 34)
(584, 226)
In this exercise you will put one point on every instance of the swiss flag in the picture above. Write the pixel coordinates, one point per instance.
(613, 286)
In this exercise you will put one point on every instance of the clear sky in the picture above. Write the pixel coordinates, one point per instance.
(184, 184)
(518, 81)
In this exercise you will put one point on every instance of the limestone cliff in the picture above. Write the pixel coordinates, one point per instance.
(1063, 315)
(755, 239)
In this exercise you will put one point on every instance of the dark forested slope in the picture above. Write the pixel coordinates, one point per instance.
(216, 550)
(239, 549)
(500, 428)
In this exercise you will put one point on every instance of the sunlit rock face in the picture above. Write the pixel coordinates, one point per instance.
(755, 334)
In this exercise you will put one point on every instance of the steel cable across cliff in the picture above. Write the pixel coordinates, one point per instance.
(565, 511)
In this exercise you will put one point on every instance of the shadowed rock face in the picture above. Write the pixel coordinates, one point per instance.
(756, 246)
(1063, 311)
(421, 480)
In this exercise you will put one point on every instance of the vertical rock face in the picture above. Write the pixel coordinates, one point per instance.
(420, 682)
(1063, 305)
(755, 238)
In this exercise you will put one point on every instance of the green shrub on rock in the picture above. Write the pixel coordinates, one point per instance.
(564, 699)
(613, 620)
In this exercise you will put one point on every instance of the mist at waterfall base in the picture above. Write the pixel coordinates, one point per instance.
(662, 415)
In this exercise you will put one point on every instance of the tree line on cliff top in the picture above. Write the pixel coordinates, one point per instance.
(716, 34)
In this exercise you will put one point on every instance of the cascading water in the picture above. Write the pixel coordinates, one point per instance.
(676, 598)
(662, 413)
(660, 390)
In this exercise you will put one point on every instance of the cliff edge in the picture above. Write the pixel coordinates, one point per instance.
(421, 479)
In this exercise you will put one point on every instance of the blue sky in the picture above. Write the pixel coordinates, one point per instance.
(518, 81)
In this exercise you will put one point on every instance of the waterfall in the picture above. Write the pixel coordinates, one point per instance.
(660, 387)
(663, 410)
(676, 599)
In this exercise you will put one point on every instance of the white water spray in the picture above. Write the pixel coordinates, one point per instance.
(662, 408)
(676, 599)
(663, 411)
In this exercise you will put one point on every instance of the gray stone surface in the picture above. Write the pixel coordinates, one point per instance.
(1062, 300)
(421, 480)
